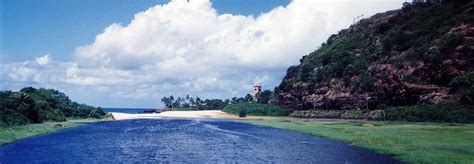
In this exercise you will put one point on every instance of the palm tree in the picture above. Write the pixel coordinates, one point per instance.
(25, 105)
(24, 100)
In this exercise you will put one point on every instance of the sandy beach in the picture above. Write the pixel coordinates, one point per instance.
(174, 114)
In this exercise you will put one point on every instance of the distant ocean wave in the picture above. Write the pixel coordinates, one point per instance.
(127, 110)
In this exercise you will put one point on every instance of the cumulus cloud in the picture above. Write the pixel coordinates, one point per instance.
(43, 60)
(187, 47)
(187, 41)
(36, 72)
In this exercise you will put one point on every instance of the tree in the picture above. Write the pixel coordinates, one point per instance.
(198, 101)
(171, 99)
(465, 85)
(227, 101)
(166, 101)
(234, 100)
(241, 100)
(31, 105)
(214, 104)
(264, 97)
(248, 98)
(177, 103)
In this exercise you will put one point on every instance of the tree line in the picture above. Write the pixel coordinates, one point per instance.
(196, 103)
(31, 105)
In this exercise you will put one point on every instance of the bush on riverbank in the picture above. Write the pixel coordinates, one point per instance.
(430, 113)
(339, 114)
(31, 105)
(256, 109)
(242, 113)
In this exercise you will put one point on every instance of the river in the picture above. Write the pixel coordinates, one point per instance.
(182, 140)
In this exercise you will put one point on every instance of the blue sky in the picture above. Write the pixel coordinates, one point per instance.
(124, 53)
(31, 27)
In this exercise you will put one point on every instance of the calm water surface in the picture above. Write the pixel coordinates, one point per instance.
(180, 140)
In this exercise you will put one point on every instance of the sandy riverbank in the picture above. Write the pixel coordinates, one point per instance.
(175, 114)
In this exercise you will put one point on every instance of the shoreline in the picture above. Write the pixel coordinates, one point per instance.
(211, 114)
(12, 134)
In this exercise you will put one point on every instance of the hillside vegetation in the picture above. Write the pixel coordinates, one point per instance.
(419, 55)
(30, 105)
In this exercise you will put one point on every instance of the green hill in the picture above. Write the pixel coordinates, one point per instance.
(421, 55)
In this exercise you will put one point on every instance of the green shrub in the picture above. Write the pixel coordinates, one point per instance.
(255, 109)
(431, 113)
(242, 113)
(10, 117)
(366, 81)
(354, 114)
(450, 42)
(52, 115)
(463, 116)
(465, 85)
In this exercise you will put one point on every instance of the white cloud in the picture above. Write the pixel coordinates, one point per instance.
(34, 72)
(43, 60)
(186, 47)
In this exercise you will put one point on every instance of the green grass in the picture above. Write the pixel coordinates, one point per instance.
(13, 133)
(410, 142)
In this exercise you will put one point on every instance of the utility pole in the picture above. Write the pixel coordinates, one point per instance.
(357, 19)
(367, 101)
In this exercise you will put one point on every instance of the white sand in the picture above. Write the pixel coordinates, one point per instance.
(177, 114)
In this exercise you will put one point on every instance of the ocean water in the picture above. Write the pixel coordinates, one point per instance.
(126, 110)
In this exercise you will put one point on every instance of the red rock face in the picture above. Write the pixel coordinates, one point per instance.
(390, 88)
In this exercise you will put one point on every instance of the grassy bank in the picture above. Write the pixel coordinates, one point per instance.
(411, 142)
(13, 133)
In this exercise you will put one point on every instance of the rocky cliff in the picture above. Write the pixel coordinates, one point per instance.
(420, 54)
